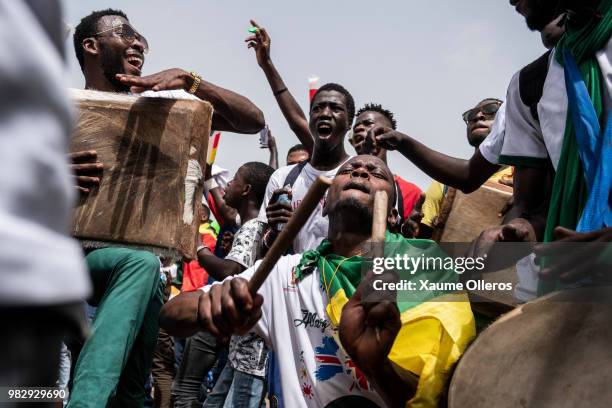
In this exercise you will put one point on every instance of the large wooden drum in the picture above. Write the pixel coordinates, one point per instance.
(154, 151)
(462, 218)
(553, 352)
(471, 213)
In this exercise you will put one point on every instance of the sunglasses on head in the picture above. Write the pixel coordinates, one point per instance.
(489, 110)
(127, 33)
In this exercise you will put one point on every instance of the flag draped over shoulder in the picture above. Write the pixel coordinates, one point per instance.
(581, 151)
(436, 326)
(580, 198)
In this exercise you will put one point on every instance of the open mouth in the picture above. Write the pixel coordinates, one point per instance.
(353, 185)
(135, 61)
(324, 129)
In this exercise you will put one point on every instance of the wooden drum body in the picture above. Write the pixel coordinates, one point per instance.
(153, 151)
(553, 352)
(462, 218)
(471, 213)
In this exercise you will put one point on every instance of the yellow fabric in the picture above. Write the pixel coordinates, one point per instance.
(434, 197)
(433, 336)
(506, 171)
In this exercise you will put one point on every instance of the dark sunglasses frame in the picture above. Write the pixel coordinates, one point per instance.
(128, 36)
(489, 109)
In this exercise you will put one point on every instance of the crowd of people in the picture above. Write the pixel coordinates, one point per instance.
(117, 326)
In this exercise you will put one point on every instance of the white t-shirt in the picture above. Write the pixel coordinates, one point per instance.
(315, 229)
(490, 148)
(528, 142)
(39, 262)
(314, 370)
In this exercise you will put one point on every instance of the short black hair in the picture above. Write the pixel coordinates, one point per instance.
(257, 175)
(88, 27)
(350, 102)
(375, 107)
(297, 148)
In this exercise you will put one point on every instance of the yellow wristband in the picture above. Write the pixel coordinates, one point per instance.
(196, 82)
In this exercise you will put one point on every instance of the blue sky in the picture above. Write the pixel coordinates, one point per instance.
(427, 61)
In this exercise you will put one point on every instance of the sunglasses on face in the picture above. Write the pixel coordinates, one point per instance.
(127, 33)
(489, 110)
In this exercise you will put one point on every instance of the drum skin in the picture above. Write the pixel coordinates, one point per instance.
(555, 351)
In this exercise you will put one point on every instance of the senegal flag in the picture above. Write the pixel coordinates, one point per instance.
(436, 327)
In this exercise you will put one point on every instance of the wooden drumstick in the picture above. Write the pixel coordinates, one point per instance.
(379, 228)
(290, 230)
(379, 223)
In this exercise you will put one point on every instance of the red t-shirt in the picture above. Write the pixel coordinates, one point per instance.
(194, 276)
(410, 194)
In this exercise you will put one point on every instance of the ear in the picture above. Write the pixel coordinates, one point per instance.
(247, 190)
(91, 46)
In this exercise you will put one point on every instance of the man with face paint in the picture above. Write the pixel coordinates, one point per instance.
(293, 311)
(116, 359)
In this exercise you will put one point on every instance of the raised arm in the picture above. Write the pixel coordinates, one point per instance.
(367, 332)
(273, 151)
(233, 112)
(226, 212)
(294, 115)
(465, 175)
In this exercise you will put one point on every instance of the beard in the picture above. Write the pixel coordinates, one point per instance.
(476, 139)
(112, 64)
(353, 214)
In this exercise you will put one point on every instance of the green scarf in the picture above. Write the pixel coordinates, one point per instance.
(337, 272)
(348, 274)
(569, 189)
(569, 192)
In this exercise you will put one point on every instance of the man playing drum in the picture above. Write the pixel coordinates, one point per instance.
(127, 285)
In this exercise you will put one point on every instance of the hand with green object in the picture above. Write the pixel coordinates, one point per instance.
(260, 41)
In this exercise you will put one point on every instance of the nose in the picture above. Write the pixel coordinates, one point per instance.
(326, 112)
(479, 116)
(138, 44)
(360, 172)
(359, 128)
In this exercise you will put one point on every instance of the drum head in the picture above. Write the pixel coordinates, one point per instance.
(553, 352)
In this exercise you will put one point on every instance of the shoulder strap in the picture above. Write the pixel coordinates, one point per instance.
(294, 173)
(531, 83)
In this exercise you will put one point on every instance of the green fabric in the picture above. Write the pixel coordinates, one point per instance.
(569, 192)
(116, 359)
(349, 271)
(215, 226)
(585, 39)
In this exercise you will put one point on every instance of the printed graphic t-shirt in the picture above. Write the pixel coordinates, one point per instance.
(314, 369)
(248, 353)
